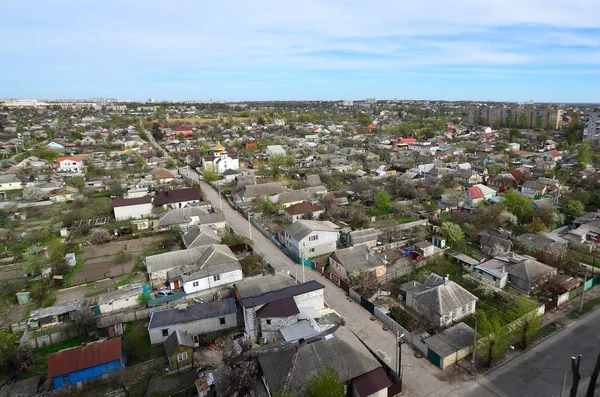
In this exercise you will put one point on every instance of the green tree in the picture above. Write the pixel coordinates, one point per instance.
(76, 181)
(573, 208)
(382, 203)
(543, 137)
(494, 338)
(520, 206)
(453, 232)
(528, 321)
(384, 156)
(8, 345)
(326, 383)
(585, 154)
(211, 175)
(365, 119)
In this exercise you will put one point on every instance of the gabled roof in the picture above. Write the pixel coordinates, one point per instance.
(356, 259)
(199, 235)
(71, 158)
(371, 382)
(272, 296)
(176, 196)
(475, 192)
(445, 297)
(176, 339)
(191, 313)
(131, 201)
(284, 307)
(302, 228)
(262, 189)
(302, 208)
(82, 357)
(529, 270)
(178, 216)
(213, 254)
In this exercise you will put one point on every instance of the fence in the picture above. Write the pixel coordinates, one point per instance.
(399, 330)
(334, 278)
(60, 334)
(396, 244)
(114, 319)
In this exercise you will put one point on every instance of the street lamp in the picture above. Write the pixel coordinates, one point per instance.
(302, 260)
(399, 353)
(474, 347)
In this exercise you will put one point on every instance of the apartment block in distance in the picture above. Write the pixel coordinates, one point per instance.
(591, 126)
(515, 116)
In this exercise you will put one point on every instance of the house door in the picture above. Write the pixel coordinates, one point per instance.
(177, 284)
(434, 358)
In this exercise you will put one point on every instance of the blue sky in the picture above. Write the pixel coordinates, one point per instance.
(545, 50)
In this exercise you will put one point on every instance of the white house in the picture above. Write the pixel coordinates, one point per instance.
(272, 313)
(423, 147)
(196, 320)
(216, 266)
(439, 300)
(194, 265)
(274, 150)
(308, 239)
(135, 208)
(121, 299)
(70, 164)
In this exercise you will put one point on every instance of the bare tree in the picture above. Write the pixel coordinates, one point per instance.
(100, 236)
(575, 362)
(593, 379)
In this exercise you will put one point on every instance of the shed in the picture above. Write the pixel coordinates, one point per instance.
(179, 348)
(450, 346)
(23, 297)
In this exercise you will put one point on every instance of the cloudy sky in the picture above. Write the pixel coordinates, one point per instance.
(544, 50)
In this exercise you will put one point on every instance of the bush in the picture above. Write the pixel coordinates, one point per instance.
(100, 236)
(251, 265)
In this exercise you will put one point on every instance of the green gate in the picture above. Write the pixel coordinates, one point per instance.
(434, 358)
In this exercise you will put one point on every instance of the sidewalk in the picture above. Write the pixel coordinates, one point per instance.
(561, 316)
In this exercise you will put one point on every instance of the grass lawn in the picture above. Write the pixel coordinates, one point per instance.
(91, 294)
(548, 330)
(137, 345)
(125, 279)
(588, 306)
(69, 276)
(65, 344)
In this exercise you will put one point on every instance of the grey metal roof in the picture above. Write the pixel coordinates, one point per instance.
(198, 256)
(181, 215)
(313, 180)
(300, 330)
(259, 285)
(445, 297)
(191, 313)
(263, 189)
(199, 235)
(541, 243)
(357, 258)
(302, 228)
(25, 388)
(56, 310)
(451, 340)
(176, 339)
(126, 291)
(363, 235)
(298, 289)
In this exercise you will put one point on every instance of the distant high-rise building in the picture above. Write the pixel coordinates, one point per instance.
(591, 126)
(371, 101)
(515, 116)
(347, 103)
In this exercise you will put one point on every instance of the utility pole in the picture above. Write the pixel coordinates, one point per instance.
(220, 204)
(474, 347)
(398, 359)
(249, 226)
(583, 293)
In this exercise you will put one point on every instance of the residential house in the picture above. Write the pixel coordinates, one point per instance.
(308, 239)
(313, 180)
(546, 247)
(491, 273)
(55, 146)
(301, 211)
(272, 304)
(525, 273)
(384, 170)
(10, 182)
(185, 130)
(163, 176)
(66, 193)
(478, 193)
(586, 234)
(289, 367)
(355, 260)
(423, 147)
(178, 198)
(185, 218)
(179, 348)
(504, 182)
(533, 189)
(208, 318)
(439, 300)
(290, 198)
(134, 208)
(495, 243)
(449, 346)
(70, 164)
(367, 237)
(123, 298)
(75, 365)
(553, 155)
(195, 269)
(199, 235)
(469, 176)
(250, 192)
(275, 150)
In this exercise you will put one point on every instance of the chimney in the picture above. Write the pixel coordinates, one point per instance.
(414, 283)
(446, 279)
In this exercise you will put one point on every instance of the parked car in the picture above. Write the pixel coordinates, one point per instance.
(164, 292)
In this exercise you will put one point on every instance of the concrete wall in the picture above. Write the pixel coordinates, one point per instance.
(326, 244)
(209, 282)
(455, 357)
(268, 331)
(120, 304)
(312, 299)
(137, 211)
(198, 327)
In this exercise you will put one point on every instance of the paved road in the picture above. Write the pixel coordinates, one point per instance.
(420, 377)
(540, 371)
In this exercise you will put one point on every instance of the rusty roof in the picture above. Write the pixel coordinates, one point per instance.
(78, 358)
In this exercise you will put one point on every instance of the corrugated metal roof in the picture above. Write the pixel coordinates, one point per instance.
(82, 357)
(192, 313)
(273, 296)
(281, 308)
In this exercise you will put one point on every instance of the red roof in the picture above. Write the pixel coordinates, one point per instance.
(555, 153)
(517, 174)
(72, 158)
(475, 192)
(78, 358)
(408, 140)
(183, 128)
(302, 208)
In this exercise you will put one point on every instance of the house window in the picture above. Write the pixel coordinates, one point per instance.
(462, 310)
(196, 283)
(311, 250)
(66, 381)
(222, 321)
(470, 306)
(182, 357)
(165, 332)
(453, 313)
(217, 277)
(268, 322)
(313, 238)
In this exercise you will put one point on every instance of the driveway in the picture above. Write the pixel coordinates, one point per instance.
(421, 379)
